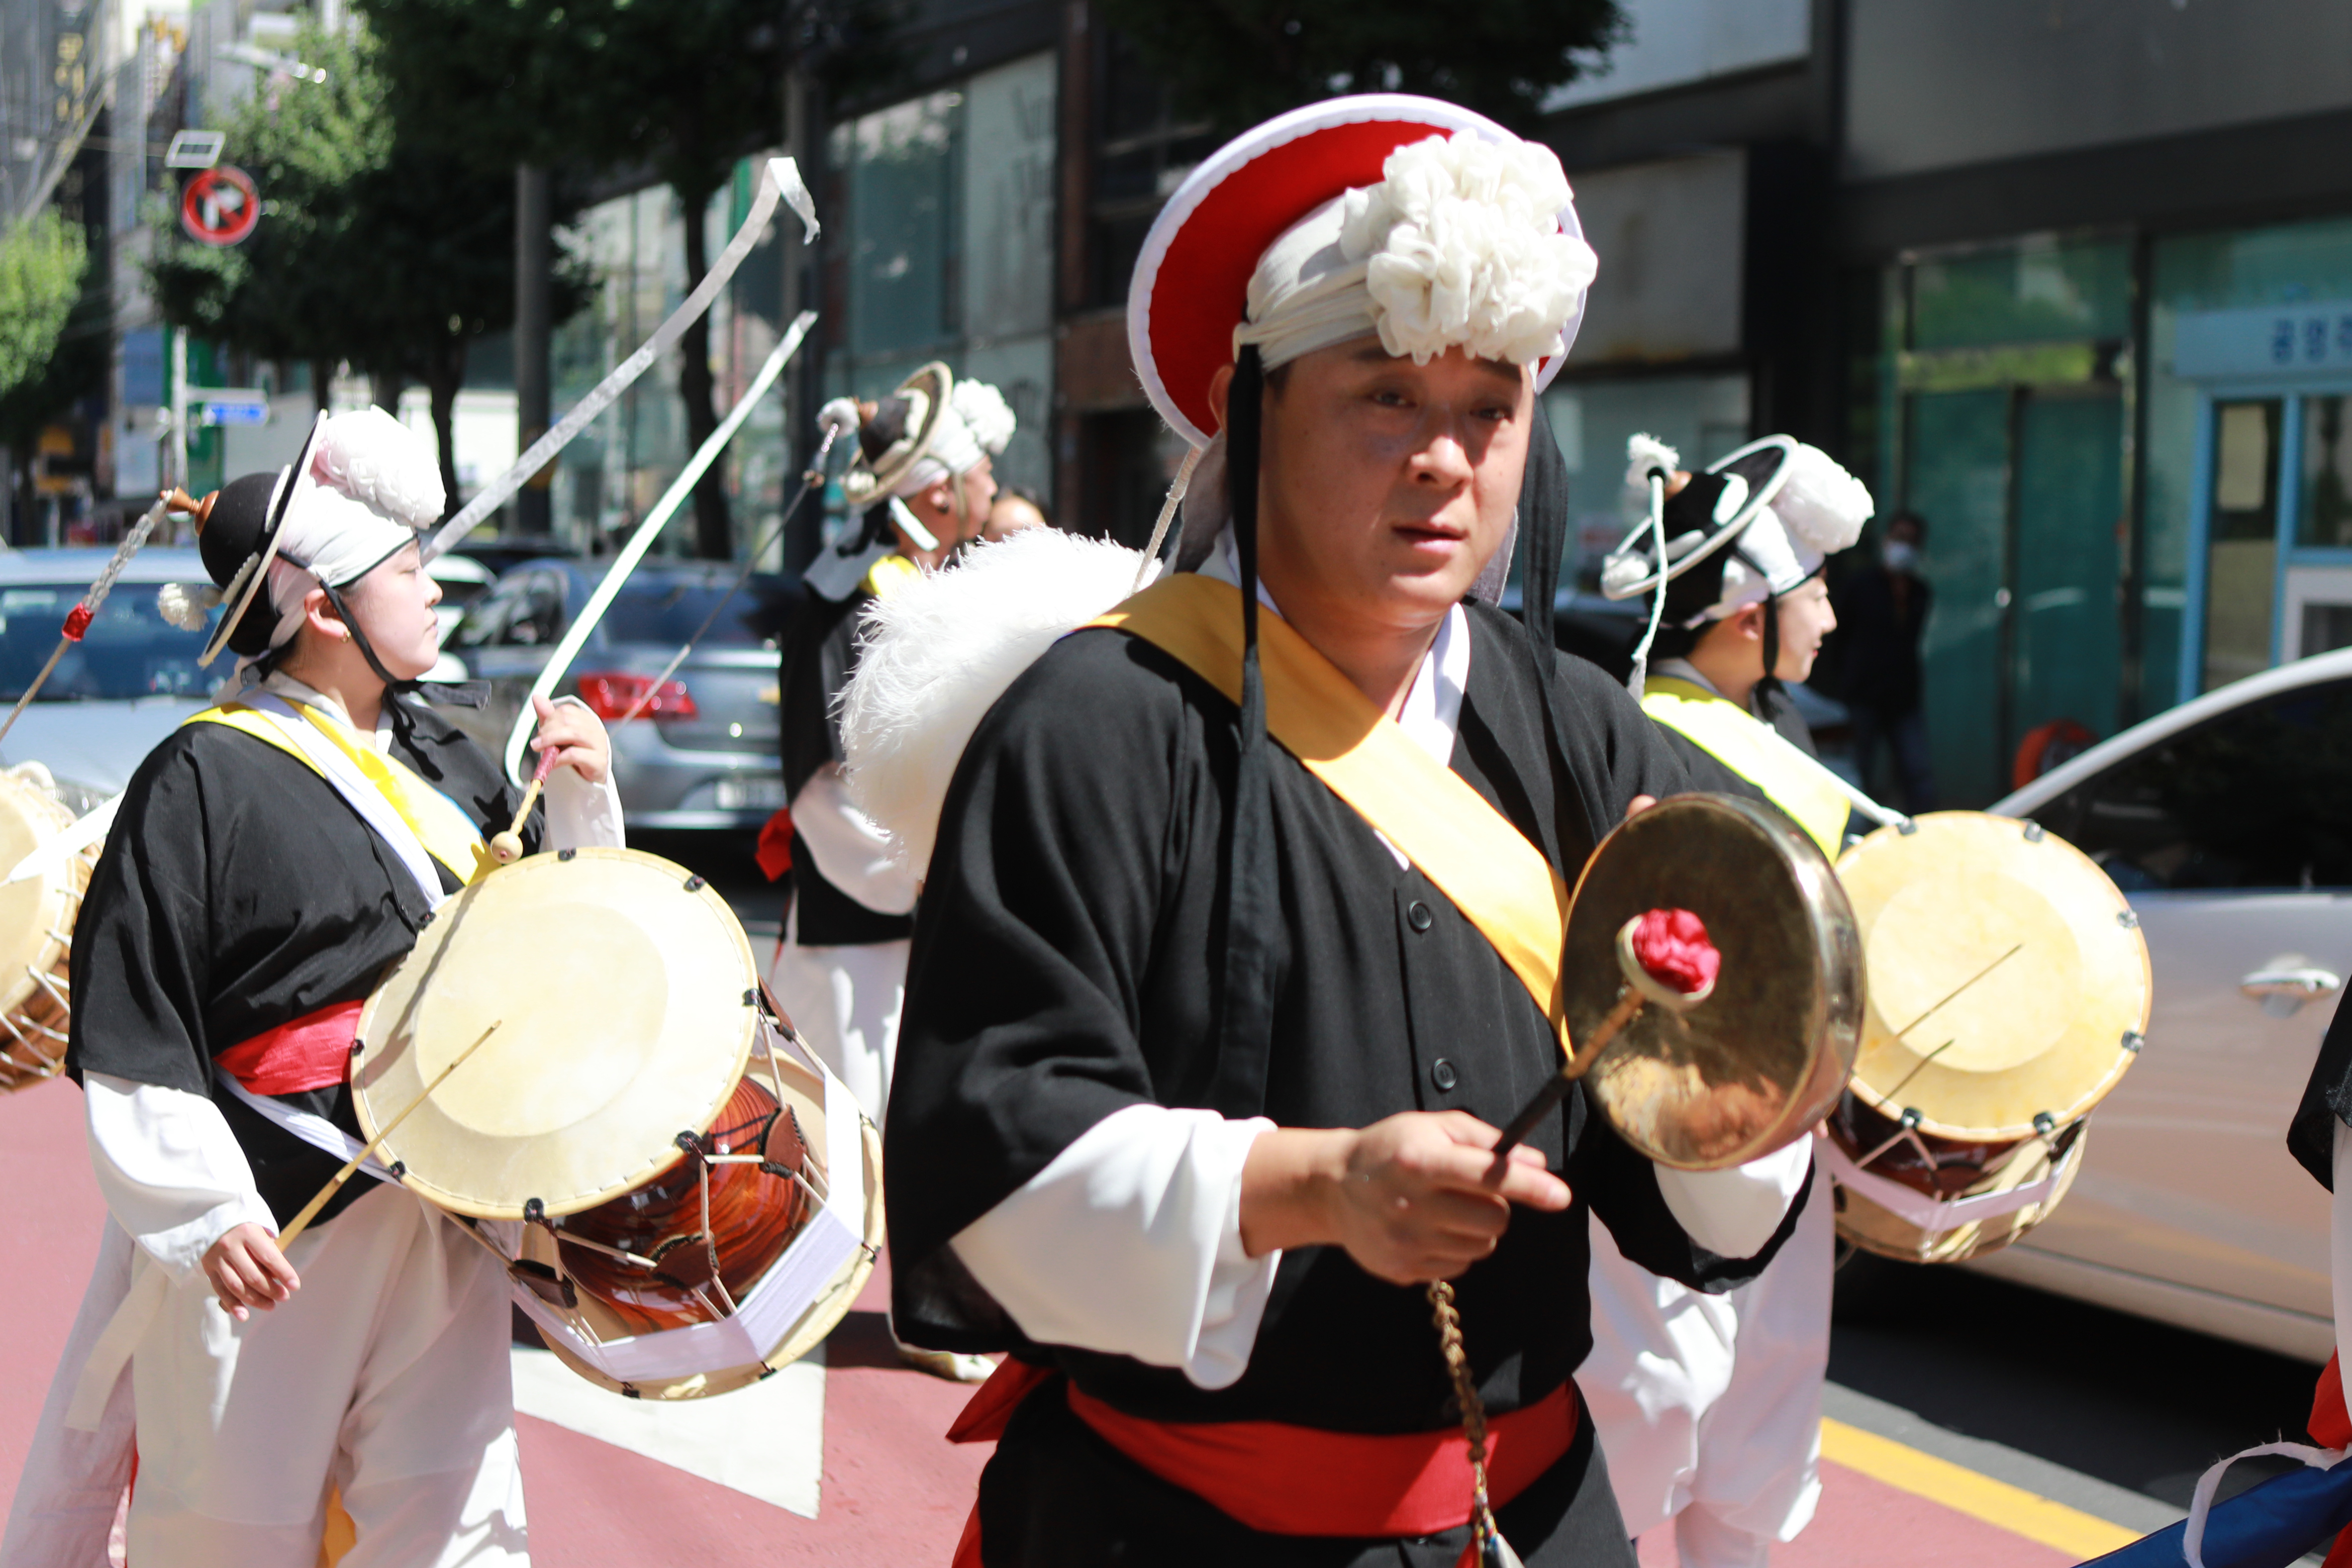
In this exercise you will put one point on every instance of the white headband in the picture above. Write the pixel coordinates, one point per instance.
(1458, 246)
(377, 483)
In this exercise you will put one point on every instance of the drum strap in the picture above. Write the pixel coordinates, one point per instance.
(1811, 796)
(1486, 866)
(435, 824)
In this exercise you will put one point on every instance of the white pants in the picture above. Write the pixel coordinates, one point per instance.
(844, 1002)
(1708, 1408)
(387, 1377)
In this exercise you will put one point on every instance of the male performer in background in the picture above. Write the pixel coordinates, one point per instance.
(1709, 1405)
(271, 858)
(1200, 1072)
(920, 485)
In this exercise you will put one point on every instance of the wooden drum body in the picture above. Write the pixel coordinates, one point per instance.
(36, 923)
(685, 1197)
(2009, 990)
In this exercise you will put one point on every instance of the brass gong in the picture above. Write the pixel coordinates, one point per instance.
(1750, 1067)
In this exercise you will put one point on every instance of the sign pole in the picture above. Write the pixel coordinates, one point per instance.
(179, 474)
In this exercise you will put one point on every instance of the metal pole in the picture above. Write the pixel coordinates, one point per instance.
(179, 474)
(533, 513)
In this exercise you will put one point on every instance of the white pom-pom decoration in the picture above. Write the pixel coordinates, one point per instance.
(372, 457)
(939, 653)
(1821, 505)
(1645, 452)
(187, 606)
(838, 417)
(985, 414)
(1463, 248)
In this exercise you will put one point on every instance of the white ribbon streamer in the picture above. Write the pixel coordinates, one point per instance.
(559, 663)
(2200, 1503)
(780, 181)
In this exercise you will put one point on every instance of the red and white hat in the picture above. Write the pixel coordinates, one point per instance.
(1498, 278)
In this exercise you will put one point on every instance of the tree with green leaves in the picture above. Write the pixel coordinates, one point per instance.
(376, 247)
(1236, 62)
(41, 266)
(680, 89)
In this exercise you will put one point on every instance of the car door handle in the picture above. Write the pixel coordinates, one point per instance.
(2282, 990)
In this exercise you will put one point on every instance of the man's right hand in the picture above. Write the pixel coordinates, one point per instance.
(1412, 1198)
(248, 1272)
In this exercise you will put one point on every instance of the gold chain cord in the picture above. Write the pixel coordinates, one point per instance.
(1473, 1409)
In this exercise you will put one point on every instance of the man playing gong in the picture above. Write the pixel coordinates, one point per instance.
(271, 858)
(1709, 1405)
(1200, 1071)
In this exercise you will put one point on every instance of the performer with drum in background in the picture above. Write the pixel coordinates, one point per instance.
(1709, 1405)
(1205, 1052)
(918, 486)
(269, 859)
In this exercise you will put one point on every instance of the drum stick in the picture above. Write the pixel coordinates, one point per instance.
(507, 847)
(1547, 1099)
(335, 1182)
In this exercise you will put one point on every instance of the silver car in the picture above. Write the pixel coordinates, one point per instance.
(702, 753)
(128, 683)
(2228, 823)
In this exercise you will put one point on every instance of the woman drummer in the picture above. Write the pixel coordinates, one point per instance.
(271, 858)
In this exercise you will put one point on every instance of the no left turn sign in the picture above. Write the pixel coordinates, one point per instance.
(220, 206)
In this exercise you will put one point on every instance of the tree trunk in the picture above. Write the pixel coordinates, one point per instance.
(714, 532)
(322, 382)
(448, 375)
(384, 387)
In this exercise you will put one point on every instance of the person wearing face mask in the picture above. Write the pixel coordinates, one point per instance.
(269, 859)
(1709, 1405)
(1884, 612)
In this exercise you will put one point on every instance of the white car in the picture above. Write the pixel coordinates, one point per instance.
(2228, 823)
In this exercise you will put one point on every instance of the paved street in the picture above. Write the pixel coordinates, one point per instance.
(1970, 1421)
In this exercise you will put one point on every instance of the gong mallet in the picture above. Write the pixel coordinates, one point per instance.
(335, 1182)
(506, 847)
(1643, 941)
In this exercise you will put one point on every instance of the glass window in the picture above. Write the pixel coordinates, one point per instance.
(129, 651)
(667, 611)
(524, 611)
(2251, 799)
(2038, 290)
(2324, 511)
(2241, 548)
(905, 289)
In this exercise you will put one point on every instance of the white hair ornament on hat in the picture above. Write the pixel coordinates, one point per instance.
(1458, 246)
(976, 423)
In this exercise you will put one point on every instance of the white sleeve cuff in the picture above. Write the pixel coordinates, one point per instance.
(850, 851)
(169, 1168)
(1734, 1212)
(1130, 1242)
(579, 815)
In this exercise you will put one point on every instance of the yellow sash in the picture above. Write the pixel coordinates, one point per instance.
(1500, 882)
(1750, 748)
(448, 835)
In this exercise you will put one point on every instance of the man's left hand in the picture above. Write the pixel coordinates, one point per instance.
(576, 736)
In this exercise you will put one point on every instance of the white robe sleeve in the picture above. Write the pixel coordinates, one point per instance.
(169, 1168)
(579, 815)
(850, 851)
(2339, 1241)
(1130, 1243)
(1734, 1212)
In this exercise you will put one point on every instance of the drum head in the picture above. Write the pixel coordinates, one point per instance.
(2007, 980)
(1766, 1055)
(35, 911)
(624, 995)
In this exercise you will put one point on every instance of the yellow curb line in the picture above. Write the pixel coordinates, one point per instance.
(1957, 1488)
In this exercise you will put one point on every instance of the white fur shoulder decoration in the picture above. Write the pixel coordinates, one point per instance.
(941, 651)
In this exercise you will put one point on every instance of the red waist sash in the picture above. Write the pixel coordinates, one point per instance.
(1301, 1480)
(313, 1051)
